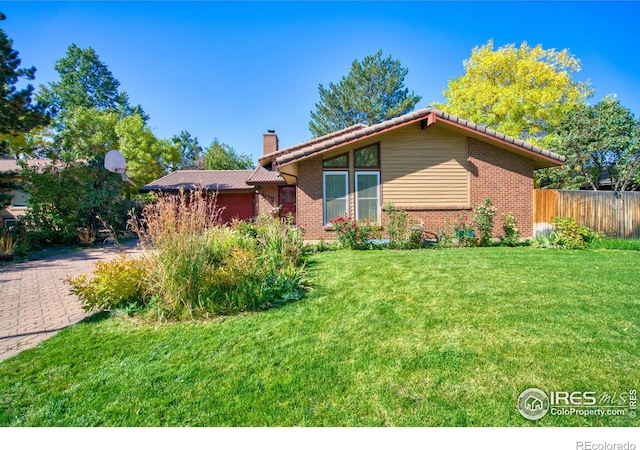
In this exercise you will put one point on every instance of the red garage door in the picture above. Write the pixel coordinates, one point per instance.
(236, 206)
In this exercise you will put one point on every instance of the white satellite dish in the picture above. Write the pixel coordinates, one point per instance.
(114, 162)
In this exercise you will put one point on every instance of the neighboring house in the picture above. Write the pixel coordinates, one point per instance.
(10, 175)
(429, 163)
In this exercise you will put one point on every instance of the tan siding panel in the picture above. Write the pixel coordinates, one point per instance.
(422, 168)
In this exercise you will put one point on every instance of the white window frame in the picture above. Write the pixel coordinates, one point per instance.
(14, 194)
(367, 172)
(324, 192)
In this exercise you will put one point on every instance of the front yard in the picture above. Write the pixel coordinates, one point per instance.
(445, 337)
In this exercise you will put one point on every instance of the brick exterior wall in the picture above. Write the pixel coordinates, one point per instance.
(309, 198)
(507, 179)
(267, 198)
(503, 176)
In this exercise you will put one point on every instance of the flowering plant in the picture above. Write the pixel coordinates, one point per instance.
(274, 211)
(350, 233)
(483, 217)
(463, 227)
(510, 228)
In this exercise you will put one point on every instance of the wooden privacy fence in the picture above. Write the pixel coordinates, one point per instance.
(617, 214)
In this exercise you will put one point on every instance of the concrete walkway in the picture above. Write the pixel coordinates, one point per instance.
(35, 302)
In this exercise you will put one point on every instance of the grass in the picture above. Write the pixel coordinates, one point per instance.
(420, 338)
(615, 244)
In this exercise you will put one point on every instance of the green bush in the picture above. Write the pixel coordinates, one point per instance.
(403, 232)
(483, 218)
(115, 284)
(396, 225)
(573, 235)
(510, 228)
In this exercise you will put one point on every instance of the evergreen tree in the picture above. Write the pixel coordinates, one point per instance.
(372, 92)
(18, 115)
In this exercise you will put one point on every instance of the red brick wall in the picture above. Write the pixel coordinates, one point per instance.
(507, 179)
(503, 176)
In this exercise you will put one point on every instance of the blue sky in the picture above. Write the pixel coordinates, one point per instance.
(232, 70)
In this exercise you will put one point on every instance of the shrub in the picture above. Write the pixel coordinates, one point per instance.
(396, 226)
(573, 235)
(403, 232)
(115, 284)
(483, 218)
(510, 228)
(351, 233)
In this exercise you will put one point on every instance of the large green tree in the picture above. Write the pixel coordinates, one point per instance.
(521, 91)
(190, 151)
(18, 115)
(602, 146)
(372, 91)
(85, 82)
(221, 156)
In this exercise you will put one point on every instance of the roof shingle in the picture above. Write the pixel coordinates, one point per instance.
(263, 176)
(214, 180)
(10, 165)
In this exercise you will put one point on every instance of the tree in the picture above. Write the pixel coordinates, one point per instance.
(373, 91)
(600, 142)
(521, 91)
(18, 115)
(148, 158)
(85, 82)
(190, 151)
(220, 156)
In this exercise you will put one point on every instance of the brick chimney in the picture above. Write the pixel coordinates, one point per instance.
(269, 142)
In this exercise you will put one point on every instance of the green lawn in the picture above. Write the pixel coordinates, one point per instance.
(384, 338)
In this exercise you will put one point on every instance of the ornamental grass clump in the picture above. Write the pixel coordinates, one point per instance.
(194, 266)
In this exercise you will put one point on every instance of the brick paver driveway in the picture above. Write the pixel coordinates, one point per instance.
(35, 302)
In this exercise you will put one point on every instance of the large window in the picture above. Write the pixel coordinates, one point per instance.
(336, 195)
(368, 196)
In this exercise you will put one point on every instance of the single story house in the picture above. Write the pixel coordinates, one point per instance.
(427, 162)
(11, 178)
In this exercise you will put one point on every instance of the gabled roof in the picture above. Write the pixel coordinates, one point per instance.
(10, 165)
(427, 116)
(263, 176)
(214, 180)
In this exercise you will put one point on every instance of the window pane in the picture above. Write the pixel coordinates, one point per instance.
(335, 195)
(20, 199)
(336, 208)
(367, 196)
(368, 185)
(367, 157)
(335, 186)
(338, 161)
(368, 209)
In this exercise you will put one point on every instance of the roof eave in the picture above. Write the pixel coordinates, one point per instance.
(543, 159)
